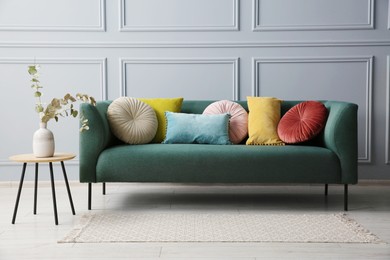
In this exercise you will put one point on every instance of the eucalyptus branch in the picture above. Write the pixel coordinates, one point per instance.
(58, 106)
(36, 85)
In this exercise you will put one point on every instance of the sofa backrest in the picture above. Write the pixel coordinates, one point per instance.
(198, 106)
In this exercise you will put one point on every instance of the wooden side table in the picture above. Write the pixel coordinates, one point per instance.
(30, 158)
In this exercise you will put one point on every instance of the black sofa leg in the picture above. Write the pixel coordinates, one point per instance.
(104, 188)
(345, 197)
(89, 196)
(326, 189)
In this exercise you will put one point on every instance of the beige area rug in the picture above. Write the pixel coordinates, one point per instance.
(214, 227)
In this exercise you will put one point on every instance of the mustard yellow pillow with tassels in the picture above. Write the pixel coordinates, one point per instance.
(160, 105)
(263, 120)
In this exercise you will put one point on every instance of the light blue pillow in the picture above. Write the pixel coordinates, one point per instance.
(197, 128)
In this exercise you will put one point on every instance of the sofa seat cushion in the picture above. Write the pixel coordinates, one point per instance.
(202, 163)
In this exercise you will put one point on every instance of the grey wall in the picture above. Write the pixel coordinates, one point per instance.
(198, 49)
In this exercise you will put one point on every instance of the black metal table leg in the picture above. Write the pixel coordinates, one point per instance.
(89, 195)
(345, 197)
(19, 192)
(54, 193)
(36, 188)
(67, 187)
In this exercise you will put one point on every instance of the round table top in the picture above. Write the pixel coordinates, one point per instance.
(58, 157)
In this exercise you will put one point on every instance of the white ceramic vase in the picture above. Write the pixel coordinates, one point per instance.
(43, 142)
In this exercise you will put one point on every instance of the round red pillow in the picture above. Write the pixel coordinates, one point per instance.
(302, 122)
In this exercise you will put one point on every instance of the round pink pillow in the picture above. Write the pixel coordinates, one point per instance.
(238, 126)
(302, 122)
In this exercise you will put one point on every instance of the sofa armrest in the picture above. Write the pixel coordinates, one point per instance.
(340, 136)
(93, 141)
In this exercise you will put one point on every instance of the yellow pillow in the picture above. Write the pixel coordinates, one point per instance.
(160, 105)
(263, 119)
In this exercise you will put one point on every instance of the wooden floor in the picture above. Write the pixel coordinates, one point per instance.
(36, 236)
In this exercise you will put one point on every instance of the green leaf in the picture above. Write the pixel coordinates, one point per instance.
(32, 70)
(36, 86)
(71, 98)
(84, 128)
(39, 108)
(37, 94)
(75, 113)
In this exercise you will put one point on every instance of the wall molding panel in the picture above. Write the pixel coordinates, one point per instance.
(102, 62)
(194, 45)
(52, 22)
(367, 61)
(297, 23)
(387, 138)
(177, 15)
(234, 62)
(388, 16)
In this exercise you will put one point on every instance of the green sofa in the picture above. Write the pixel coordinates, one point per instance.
(331, 158)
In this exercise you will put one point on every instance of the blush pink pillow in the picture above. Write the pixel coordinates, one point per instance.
(302, 122)
(238, 126)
